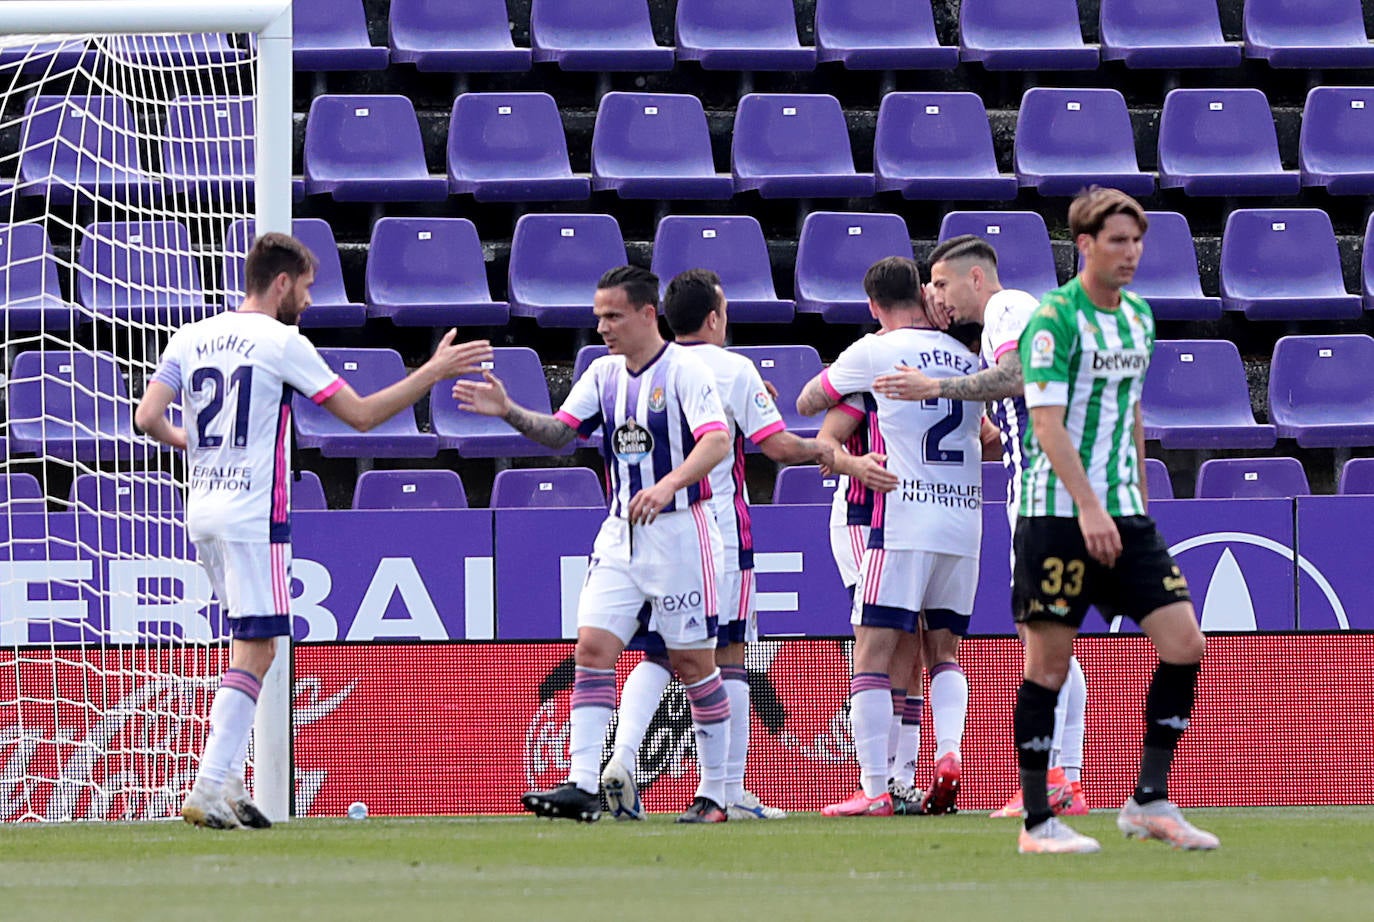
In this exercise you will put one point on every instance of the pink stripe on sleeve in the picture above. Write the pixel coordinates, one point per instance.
(714, 425)
(850, 410)
(1004, 349)
(766, 431)
(328, 391)
(828, 387)
(563, 416)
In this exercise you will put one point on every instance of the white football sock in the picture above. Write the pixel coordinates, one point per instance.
(639, 701)
(711, 724)
(737, 690)
(948, 707)
(593, 701)
(1071, 751)
(870, 717)
(231, 720)
(908, 746)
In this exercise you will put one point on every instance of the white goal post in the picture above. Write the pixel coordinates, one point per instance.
(100, 23)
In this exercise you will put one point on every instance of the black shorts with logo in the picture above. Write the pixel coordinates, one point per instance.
(1055, 579)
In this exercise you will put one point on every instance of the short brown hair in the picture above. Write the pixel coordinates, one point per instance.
(692, 296)
(641, 285)
(1092, 207)
(892, 281)
(965, 246)
(272, 255)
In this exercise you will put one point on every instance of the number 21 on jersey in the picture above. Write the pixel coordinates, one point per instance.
(210, 381)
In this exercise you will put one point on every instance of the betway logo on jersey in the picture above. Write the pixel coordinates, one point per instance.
(1115, 364)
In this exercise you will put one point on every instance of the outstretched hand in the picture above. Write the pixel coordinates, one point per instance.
(452, 359)
(906, 383)
(485, 398)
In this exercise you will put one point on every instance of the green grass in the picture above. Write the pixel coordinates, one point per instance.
(1278, 863)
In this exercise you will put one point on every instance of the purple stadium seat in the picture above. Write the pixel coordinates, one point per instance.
(29, 286)
(1336, 147)
(1196, 396)
(367, 371)
(86, 144)
(454, 36)
(547, 488)
(307, 493)
(1367, 265)
(1157, 480)
(1024, 257)
(1357, 476)
(509, 147)
(1165, 34)
(144, 271)
(1321, 390)
(46, 57)
(585, 356)
(794, 146)
(728, 35)
(1283, 264)
(1251, 478)
(555, 263)
(787, 368)
(428, 272)
(475, 436)
(610, 35)
(804, 485)
(154, 493)
(441, 489)
(733, 247)
(1310, 34)
(896, 35)
(1221, 142)
(1167, 275)
(329, 304)
(937, 146)
(70, 405)
(655, 145)
(1016, 35)
(169, 52)
(834, 251)
(21, 493)
(996, 482)
(208, 147)
(332, 35)
(1067, 140)
(367, 149)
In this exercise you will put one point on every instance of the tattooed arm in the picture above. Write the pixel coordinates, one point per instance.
(1002, 380)
(488, 397)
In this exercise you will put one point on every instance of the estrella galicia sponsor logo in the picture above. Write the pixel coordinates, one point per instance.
(1114, 364)
(631, 442)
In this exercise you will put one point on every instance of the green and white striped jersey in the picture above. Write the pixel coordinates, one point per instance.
(1092, 362)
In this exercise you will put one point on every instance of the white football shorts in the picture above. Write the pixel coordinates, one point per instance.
(252, 580)
(895, 586)
(847, 544)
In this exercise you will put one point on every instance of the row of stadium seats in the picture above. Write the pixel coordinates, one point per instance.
(1276, 264)
(1321, 393)
(616, 35)
(512, 147)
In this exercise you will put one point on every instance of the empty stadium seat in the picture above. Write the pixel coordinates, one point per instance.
(897, 35)
(1167, 275)
(154, 493)
(329, 304)
(1221, 142)
(475, 436)
(454, 36)
(207, 149)
(428, 272)
(728, 35)
(332, 35)
(1157, 481)
(794, 146)
(804, 485)
(937, 146)
(1165, 34)
(46, 58)
(547, 488)
(1024, 257)
(143, 271)
(657, 146)
(367, 149)
(1196, 396)
(1357, 477)
(834, 251)
(367, 371)
(1336, 146)
(21, 493)
(610, 35)
(307, 493)
(1310, 34)
(787, 368)
(996, 482)
(555, 263)
(1067, 140)
(1283, 264)
(1321, 390)
(1367, 265)
(441, 489)
(71, 405)
(1251, 478)
(1016, 35)
(734, 248)
(585, 356)
(510, 147)
(82, 144)
(29, 285)
(168, 52)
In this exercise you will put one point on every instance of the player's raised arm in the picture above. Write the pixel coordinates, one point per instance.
(488, 397)
(814, 398)
(1005, 379)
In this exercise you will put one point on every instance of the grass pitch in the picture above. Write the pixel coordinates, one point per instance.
(1277, 863)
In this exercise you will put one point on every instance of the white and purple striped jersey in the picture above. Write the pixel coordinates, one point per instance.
(650, 420)
(235, 373)
(1004, 320)
(853, 502)
(750, 413)
(931, 445)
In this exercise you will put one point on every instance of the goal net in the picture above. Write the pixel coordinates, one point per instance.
(131, 182)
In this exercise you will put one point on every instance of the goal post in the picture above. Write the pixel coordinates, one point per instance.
(96, 672)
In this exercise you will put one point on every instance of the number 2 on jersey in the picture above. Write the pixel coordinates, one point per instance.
(930, 444)
(241, 379)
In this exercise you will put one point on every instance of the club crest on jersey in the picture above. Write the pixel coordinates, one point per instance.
(1042, 350)
(631, 442)
(657, 401)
